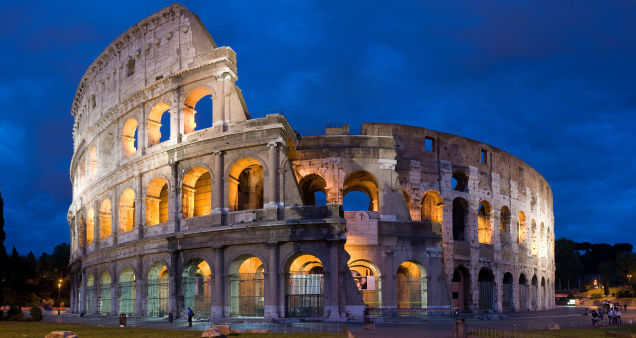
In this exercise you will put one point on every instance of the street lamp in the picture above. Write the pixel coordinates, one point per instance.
(629, 276)
(59, 286)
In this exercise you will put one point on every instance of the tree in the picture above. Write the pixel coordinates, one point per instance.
(567, 261)
(626, 262)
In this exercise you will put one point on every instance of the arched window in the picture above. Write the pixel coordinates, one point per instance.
(365, 183)
(104, 293)
(484, 223)
(461, 289)
(197, 193)
(127, 292)
(246, 185)
(411, 286)
(486, 290)
(313, 189)
(368, 279)
(105, 219)
(523, 293)
(432, 208)
(304, 296)
(460, 214)
(534, 290)
(90, 294)
(158, 290)
(247, 294)
(90, 226)
(92, 163)
(157, 202)
(197, 287)
(129, 137)
(159, 124)
(522, 227)
(504, 226)
(127, 211)
(507, 292)
(197, 112)
(459, 181)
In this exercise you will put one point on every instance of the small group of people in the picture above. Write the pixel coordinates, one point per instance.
(613, 315)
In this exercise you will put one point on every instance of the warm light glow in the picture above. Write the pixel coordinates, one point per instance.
(127, 211)
(157, 202)
(128, 137)
(484, 223)
(197, 193)
(105, 219)
(90, 226)
(154, 122)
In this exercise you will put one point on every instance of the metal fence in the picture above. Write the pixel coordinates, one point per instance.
(304, 296)
(246, 290)
(486, 296)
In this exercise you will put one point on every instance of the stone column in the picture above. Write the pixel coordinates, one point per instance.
(175, 201)
(96, 292)
(218, 201)
(176, 116)
(271, 294)
(83, 293)
(140, 294)
(498, 285)
(218, 102)
(332, 309)
(271, 189)
(218, 299)
(114, 217)
(140, 206)
(96, 223)
(142, 132)
(82, 234)
(174, 287)
(114, 291)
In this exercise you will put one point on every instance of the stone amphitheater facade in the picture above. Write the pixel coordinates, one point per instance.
(245, 218)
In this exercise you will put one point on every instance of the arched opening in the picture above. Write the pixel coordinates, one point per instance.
(105, 219)
(127, 291)
(197, 287)
(127, 211)
(90, 294)
(197, 110)
(368, 279)
(534, 289)
(432, 208)
(365, 183)
(129, 137)
(534, 249)
(157, 131)
(507, 301)
(542, 241)
(82, 172)
(460, 289)
(92, 163)
(544, 297)
(247, 287)
(90, 226)
(246, 185)
(158, 290)
(313, 189)
(504, 225)
(459, 181)
(523, 293)
(104, 293)
(411, 286)
(486, 281)
(157, 202)
(460, 215)
(484, 223)
(305, 287)
(197, 193)
(522, 229)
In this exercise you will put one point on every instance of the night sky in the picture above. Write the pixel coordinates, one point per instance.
(551, 82)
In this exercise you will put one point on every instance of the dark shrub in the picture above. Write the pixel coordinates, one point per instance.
(36, 313)
(14, 313)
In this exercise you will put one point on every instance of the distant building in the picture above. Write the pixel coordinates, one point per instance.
(224, 218)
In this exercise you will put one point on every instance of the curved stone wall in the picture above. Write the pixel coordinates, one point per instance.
(228, 219)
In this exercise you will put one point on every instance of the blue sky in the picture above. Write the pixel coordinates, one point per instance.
(552, 82)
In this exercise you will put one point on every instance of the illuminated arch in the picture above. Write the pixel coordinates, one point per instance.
(411, 286)
(158, 294)
(364, 182)
(154, 122)
(304, 287)
(90, 226)
(127, 291)
(504, 225)
(484, 223)
(247, 287)
(127, 211)
(188, 109)
(104, 293)
(362, 270)
(105, 219)
(197, 287)
(197, 193)
(92, 163)
(129, 137)
(157, 198)
(432, 208)
(522, 228)
(245, 182)
(310, 185)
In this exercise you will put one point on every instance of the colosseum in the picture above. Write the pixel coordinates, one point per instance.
(244, 217)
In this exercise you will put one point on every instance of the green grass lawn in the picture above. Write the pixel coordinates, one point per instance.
(582, 332)
(41, 329)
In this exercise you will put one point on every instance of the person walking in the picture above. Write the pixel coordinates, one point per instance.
(190, 314)
(625, 307)
(600, 315)
(618, 317)
(610, 317)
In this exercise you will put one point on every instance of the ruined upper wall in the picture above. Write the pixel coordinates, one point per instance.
(170, 40)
